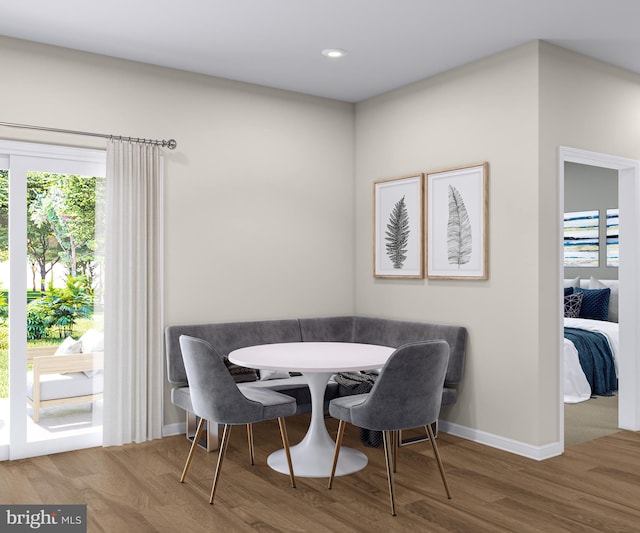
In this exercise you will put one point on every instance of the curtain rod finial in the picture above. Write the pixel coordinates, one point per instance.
(171, 144)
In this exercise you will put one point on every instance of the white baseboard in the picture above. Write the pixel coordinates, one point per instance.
(539, 453)
(177, 428)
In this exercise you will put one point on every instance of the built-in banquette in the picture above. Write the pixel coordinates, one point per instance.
(229, 336)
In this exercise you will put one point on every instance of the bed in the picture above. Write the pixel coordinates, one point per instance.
(591, 344)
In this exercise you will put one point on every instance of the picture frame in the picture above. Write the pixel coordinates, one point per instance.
(457, 212)
(613, 236)
(399, 227)
(581, 247)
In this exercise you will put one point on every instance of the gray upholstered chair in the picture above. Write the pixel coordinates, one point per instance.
(407, 394)
(216, 398)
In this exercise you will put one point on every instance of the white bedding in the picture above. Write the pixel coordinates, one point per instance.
(576, 387)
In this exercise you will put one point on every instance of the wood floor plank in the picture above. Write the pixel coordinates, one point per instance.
(593, 486)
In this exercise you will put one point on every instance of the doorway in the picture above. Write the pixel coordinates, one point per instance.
(54, 252)
(591, 203)
(628, 204)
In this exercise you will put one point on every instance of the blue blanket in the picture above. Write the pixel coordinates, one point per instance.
(596, 360)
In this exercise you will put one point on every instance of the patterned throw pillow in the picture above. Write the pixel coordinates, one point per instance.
(239, 373)
(613, 298)
(573, 304)
(595, 304)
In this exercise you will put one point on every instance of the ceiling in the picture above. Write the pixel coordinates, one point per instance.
(278, 43)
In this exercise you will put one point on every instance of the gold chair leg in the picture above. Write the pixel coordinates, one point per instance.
(388, 445)
(250, 440)
(221, 453)
(396, 443)
(417, 439)
(438, 460)
(287, 451)
(337, 451)
(196, 438)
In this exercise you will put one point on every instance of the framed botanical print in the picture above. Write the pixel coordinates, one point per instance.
(457, 220)
(398, 227)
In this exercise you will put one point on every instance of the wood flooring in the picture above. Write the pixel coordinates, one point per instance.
(594, 486)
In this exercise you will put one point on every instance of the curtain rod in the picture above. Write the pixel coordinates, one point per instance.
(171, 143)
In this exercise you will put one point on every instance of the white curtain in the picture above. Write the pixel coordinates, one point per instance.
(133, 370)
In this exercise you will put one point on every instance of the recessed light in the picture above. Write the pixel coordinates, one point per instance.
(334, 53)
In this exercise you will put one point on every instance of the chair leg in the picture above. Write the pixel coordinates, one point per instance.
(337, 451)
(387, 438)
(221, 453)
(250, 440)
(417, 439)
(396, 449)
(287, 451)
(196, 438)
(438, 460)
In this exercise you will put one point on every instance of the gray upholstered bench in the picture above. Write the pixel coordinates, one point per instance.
(229, 336)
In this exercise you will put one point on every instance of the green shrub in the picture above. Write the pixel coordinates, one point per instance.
(4, 372)
(4, 306)
(4, 361)
(36, 326)
(4, 337)
(61, 308)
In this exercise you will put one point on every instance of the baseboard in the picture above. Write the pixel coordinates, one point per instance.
(538, 453)
(177, 428)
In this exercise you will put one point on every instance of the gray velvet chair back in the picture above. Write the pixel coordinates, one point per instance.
(214, 394)
(369, 330)
(408, 392)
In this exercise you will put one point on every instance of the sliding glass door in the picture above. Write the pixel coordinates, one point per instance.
(51, 272)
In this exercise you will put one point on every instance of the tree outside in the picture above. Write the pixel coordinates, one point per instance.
(63, 256)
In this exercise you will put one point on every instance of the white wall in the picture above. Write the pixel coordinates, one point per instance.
(259, 193)
(486, 111)
(588, 105)
(589, 188)
(260, 196)
(513, 110)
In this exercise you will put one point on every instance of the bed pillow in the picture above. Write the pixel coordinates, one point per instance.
(595, 304)
(572, 304)
(575, 282)
(613, 299)
(568, 291)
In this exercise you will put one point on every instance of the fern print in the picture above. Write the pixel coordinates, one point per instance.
(459, 239)
(397, 234)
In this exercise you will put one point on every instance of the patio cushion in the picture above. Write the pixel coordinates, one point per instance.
(69, 385)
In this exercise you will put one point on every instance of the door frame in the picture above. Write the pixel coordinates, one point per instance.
(629, 297)
(24, 157)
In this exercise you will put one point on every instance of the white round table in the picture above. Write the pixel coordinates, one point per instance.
(317, 362)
